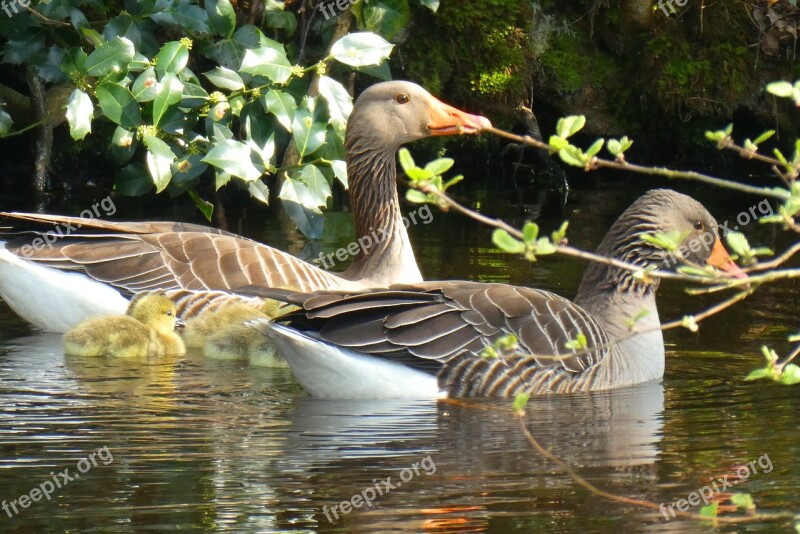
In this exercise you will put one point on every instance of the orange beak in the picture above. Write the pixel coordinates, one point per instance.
(721, 260)
(447, 120)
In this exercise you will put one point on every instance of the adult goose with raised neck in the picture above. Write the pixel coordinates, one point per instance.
(427, 340)
(92, 266)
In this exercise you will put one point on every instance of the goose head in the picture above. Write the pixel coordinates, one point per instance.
(660, 211)
(390, 114)
(155, 311)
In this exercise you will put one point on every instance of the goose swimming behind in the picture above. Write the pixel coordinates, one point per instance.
(55, 271)
(148, 329)
(426, 340)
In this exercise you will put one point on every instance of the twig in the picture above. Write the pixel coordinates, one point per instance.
(655, 171)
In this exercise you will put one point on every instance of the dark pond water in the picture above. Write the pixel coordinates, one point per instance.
(196, 445)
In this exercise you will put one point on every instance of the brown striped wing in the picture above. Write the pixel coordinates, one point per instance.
(136, 257)
(444, 327)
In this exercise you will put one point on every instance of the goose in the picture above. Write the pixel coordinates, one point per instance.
(147, 329)
(426, 340)
(56, 271)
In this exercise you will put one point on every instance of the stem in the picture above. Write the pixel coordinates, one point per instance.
(655, 171)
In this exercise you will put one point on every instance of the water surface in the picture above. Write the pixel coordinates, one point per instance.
(207, 446)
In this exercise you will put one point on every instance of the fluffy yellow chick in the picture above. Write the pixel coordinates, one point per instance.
(240, 342)
(199, 329)
(148, 329)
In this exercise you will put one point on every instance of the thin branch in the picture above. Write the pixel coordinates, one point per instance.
(655, 171)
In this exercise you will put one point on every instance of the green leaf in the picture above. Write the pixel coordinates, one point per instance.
(738, 243)
(385, 17)
(5, 123)
(168, 94)
(225, 79)
(530, 232)
(439, 166)
(282, 105)
(269, 60)
(669, 241)
(186, 168)
(145, 86)
(543, 246)
(579, 342)
(433, 5)
(690, 323)
(123, 145)
(133, 181)
(361, 48)
(743, 501)
(123, 26)
(206, 207)
(558, 143)
(80, 112)
(709, 510)
(192, 18)
(340, 104)
(172, 58)
(568, 126)
(259, 191)
(764, 372)
(406, 161)
(221, 17)
(233, 157)
(506, 242)
(297, 191)
(339, 168)
(118, 105)
(559, 235)
(308, 135)
(520, 401)
(417, 197)
(763, 137)
(641, 314)
(111, 56)
(318, 187)
(594, 149)
(781, 89)
(159, 161)
(790, 375)
(572, 155)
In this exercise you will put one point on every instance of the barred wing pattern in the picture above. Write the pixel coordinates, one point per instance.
(444, 327)
(135, 257)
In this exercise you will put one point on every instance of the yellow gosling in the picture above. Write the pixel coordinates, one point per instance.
(198, 329)
(240, 342)
(148, 329)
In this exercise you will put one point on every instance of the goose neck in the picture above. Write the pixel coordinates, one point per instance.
(384, 252)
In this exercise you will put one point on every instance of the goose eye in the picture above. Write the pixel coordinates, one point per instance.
(402, 98)
(169, 314)
(698, 225)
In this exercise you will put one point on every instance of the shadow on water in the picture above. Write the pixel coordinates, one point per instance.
(206, 446)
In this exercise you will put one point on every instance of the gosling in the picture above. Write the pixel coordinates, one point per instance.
(222, 335)
(147, 329)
